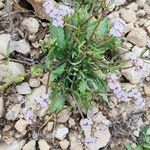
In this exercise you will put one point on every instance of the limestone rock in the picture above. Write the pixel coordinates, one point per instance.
(23, 88)
(31, 24)
(13, 112)
(34, 82)
(29, 146)
(138, 37)
(38, 7)
(64, 144)
(15, 145)
(102, 135)
(147, 89)
(21, 125)
(61, 132)
(128, 15)
(43, 145)
(4, 44)
(21, 46)
(120, 2)
(63, 116)
(75, 144)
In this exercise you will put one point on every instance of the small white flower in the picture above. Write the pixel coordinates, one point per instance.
(117, 28)
(29, 115)
(86, 125)
(137, 62)
(139, 103)
(90, 142)
(57, 14)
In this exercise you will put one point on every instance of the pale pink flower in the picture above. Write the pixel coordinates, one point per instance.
(42, 101)
(139, 103)
(86, 125)
(90, 142)
(117, 28)
(137, 62)
(57, 14)
(137, 96)
(29, 115)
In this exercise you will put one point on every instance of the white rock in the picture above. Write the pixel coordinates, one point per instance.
(147, 89)
(136, 133)
(13, 112)
(43, 145)
(92, 111)
(147, 9)
(140, 2)
(102, 135)
(31, 24)
(128, 15)
(71, 122)
(132, 74)
(30, 145)
(23, 88)
(75, 144)
(113, 15)
(63, 116)
(1, 5)
(133, 6)
(21, 125)
(128, 27)
(148, 29)
(16, 69)
(4, 43)
(15, 145)
(140, 13)
(30, 100)
(138, 37)
(21, 46)
(120, 2)
(1, 107)
(61, 132)
(11, 69)
(34, 82)
(64, 144)
(50, 126)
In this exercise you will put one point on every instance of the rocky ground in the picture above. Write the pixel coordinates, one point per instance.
(21, 35)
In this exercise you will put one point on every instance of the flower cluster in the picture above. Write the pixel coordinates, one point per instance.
(42, 101)
(29, 111)
(57, 14)
(139, 101)
(117, 28)
(115, 87)
(90, 142)
(29, 115)
(86, 125)
(136, 62)
(120, 94)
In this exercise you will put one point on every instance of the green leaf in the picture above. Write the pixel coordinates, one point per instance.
(139, 147)
(58, 34)
(104, 27)
(90, 27)
(57, 72)
(82, 86)
(36, 71)
(128, 147)
(58, 103)
(147, 145)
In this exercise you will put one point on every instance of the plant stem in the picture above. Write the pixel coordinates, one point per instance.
(78, 106)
